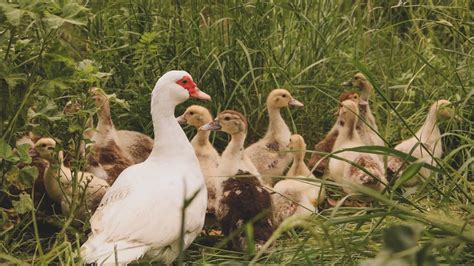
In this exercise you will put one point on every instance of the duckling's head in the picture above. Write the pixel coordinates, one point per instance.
(196, 116)
(351, 96)
(443, 109)
(296, 143)
(99, 96)
(360, 81)
(229, 121)
(71, 107)
(44, 148)
(279, 98)
(348, 112)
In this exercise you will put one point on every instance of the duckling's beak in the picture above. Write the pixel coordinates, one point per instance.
(294, 102)
(347, 83)
(214, 125)
(363, 102)
(181, 119)
(33, 153)
(198, 94)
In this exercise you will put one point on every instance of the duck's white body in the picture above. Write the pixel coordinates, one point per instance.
(343, 172)
(429, 136)
(141, 213)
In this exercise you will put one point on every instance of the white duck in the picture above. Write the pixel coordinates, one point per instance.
(266, 153)
(366, 124)
(58, 182)
(207, 155)
(428, 136)
(318, 163)
(141, 214)
(296, 197)
(343, 172)
(240, 199)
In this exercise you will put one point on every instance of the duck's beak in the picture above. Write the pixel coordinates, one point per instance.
(214, 125)
(198, 94)
(181, 119)
(347, 83)
(363, 102)
(294, 102)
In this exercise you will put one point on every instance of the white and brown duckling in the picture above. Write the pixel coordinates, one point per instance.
(318, 164)
(425, 145)
(207, 155)
(267, 153)
(296, 197)
(345, 173)
(366, 121)
(59, 184)
(137, 145)
(241, 196)
(106, 143)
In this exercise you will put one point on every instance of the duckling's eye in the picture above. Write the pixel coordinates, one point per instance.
(284, 96)
(191, 113)
(355, 96)
(227, 118)
(43, 145)
(356, 78)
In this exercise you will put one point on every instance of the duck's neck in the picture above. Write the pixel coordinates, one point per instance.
(235, 148)
(105, 118)
(347, 131)
(201, 138)
(277, 127)
(365, 90)
(170, 140)
(429, 131)
(298, 168)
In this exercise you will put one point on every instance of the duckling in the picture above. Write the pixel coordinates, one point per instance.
(107, 149)
(343, 172)
(296, 197)
(317, 163)
(367, 121)
(240, 199)
(265, 153)
(428, 136)
(137, 145)
(58, 181)
(207, 155)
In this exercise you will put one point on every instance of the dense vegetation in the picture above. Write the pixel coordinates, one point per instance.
(53, 51)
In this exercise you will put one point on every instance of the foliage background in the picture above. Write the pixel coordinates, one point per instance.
(237, 51)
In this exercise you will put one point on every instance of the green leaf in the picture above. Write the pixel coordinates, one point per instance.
(22, 151)
(13, 14)
(24, 205)
(28, 175)
(6, 152)
(408, 174)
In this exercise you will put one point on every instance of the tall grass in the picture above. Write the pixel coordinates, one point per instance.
(237, 52)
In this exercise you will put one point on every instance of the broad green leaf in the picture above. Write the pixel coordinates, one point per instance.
(24, 205)
(27, 176)
(22, 151)
(6, 152)
(12, 13)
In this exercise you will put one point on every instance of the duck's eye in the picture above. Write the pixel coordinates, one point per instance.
(284, 96)
(191, 113)
(43, 145)
(227, 118)
(185, 81)
(356, 78)
(355, 96)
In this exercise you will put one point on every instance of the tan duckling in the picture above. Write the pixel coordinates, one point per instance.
(266, 153)
(317, 163)
(345, 173)
(240, 198)
(137, 145)
(207, 155)
(106, 147)
(58, 182)
(296, 197)
(367, 121)
(428, 136)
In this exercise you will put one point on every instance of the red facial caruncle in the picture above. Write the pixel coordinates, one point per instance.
(187, 83)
